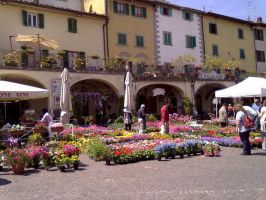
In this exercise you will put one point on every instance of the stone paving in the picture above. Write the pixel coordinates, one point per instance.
(230, 176)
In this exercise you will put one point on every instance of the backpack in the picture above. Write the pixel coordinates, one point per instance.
(247, 122)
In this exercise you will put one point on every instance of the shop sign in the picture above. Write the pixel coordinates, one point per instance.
(212, 75)
(18, 95)
(56, 87)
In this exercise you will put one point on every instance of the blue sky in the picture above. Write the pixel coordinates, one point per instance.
(234, 8)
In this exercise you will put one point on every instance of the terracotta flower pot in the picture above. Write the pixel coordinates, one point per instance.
(18, 169)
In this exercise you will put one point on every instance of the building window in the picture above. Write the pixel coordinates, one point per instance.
(260, 56)
(72, 25)
(122, 39)
(167, 38)
(139, 41)
(240, 34)
(187, 16)
(258, 34)
(121, 8)
(212, 28)
(138, 11)
(190, 41)
(166, 11)
(215, 50)
(32, 19)
(242, 54)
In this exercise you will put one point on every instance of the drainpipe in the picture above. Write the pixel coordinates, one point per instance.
(203, 39)
(105, 38)
(255, 49)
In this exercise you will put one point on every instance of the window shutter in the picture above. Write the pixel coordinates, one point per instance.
(164, 38)
(24, 18)
(69, 25)
(133, 10)
(193, 42)
(161, 9)
(127, 9)
(41, 20)
(144, 12)
(170, 11)
(187, 41)
(74, 23)
(115, 6)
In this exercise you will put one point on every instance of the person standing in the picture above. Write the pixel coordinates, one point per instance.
(165, 118)
(252, 113)
(242, 130)
(127, 119)
(257, 107)
(262, 124)
(230, 111)
(223, 118)
(141, 119)
(47, 118)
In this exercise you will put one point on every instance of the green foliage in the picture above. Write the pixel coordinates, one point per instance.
(96, 149)
(77, 108)
(186, 59)
(151, 118)
(213, 62)
(35, 139)
(187, 105)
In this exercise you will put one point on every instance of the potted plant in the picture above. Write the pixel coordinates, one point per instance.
(36, 153)
(211, 149)
(17, 159)
(79, 62)
(11, 59)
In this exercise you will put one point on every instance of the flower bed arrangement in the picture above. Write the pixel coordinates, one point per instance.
(211, 149)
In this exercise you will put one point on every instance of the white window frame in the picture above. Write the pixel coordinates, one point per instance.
(30, 20)
(138, 12)
(121, 8)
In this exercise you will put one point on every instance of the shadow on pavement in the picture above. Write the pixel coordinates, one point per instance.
(259, 154)
(4, 181)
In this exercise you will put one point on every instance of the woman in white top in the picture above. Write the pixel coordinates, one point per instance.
(47, 118)
(262, 124)
(242, 130)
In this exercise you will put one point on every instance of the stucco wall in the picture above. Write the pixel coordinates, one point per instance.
(89, 37)
(261, 46)
(131, 26)
(228, 42)
(179, 29)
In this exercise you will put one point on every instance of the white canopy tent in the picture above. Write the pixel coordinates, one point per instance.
(250, 87)
(16, 91)
(10, 91)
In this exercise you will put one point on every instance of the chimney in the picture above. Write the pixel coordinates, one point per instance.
(259, 20)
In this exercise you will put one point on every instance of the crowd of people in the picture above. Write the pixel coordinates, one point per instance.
(247, 118)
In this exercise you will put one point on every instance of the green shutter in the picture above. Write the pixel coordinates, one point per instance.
(193, 42)
(170, 38)
(187, 41)
(170, 12)
(24, 18)
(115, 6)
(161, 10)
(41, 20)
(127, 9)
(69, 24)
(144, 10)
(133, 10)
(74, 23)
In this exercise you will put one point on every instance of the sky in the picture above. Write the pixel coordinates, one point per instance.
(242, 9)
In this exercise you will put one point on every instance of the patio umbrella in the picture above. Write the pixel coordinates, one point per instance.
(128, 103)
(37, 41)
(65, 97)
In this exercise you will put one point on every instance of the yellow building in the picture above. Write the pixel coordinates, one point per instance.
(230, 39)
(130, 27)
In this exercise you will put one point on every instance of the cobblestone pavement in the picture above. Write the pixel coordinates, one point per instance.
(230, 176)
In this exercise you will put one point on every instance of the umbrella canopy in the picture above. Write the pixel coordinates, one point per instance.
(128, 103)
(65, 97)
(15, 91)
(37, 41)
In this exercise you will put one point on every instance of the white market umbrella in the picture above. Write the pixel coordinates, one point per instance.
(37, 41)
(128, 103)
(65, 97)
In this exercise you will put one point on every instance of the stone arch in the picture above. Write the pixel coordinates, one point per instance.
(204, 96)
(125, 55)
(142, 58)
(96, 98)
(144, 95)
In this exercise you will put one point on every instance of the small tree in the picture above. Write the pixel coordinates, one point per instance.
(187, 105)
(213, 62)
(186, 59)
(231, 64)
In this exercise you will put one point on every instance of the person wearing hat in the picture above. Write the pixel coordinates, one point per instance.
(141, 118)
(127, 119)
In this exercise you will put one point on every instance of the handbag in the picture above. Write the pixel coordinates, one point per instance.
(247, 121)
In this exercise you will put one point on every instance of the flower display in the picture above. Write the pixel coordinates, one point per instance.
(211, 149)
(14, 157)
